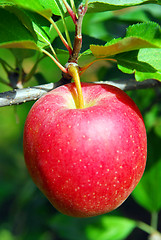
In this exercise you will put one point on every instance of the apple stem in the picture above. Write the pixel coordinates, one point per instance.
(73, 70)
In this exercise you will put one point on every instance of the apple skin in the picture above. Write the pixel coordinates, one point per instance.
(85, 161)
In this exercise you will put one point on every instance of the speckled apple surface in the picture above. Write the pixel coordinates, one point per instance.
(86, 161)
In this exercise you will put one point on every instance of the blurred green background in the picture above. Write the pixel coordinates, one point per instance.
(25, 214)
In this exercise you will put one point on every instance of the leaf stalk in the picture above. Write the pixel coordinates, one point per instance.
(63, 69)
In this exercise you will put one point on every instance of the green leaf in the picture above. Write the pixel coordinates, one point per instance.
(145, 63)
(53, 5)
(28, 4)
(108, 5)
(14, 34)
(151, 56)
(35, 23)
(147, 193)
(111, 228)
(42, 7)
(140, 76)
(137, 53)
(122, 45)
(22, 17)
(144, 35)
(149, 31)
(41, 28)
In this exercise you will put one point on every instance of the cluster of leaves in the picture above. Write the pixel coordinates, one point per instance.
(27, 25)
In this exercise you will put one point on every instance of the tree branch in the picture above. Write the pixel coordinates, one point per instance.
(19, 96)
(78, 34)
(127, 85)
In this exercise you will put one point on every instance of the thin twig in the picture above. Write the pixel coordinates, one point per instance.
(128, 85)
(147, 228)
(65, 26)
(78, 35)
(18, 96)
(73, 6)
(70, 11)
(60, 35)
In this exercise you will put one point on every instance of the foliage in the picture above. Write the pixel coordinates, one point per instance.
(123, 40)
(34, 31)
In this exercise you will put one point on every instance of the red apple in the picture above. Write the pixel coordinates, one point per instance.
(86, 161)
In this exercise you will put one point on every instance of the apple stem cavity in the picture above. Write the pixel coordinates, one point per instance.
(73, 70)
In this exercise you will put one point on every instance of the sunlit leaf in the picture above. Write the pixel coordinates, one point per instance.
(152, 56)
(145, 35)
(108, 5)
(28, 4)
(145, 63)
(40, 27)
(149, 31)
(123, 45)
(51, 4)
(111, 228)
